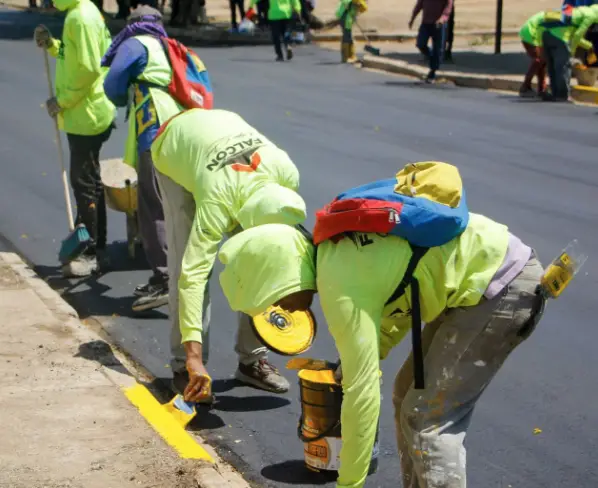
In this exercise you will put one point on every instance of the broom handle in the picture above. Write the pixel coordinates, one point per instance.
(67, 196)
(367, 41)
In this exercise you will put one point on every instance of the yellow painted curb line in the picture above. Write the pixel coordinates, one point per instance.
(587, 94)
(165, 425)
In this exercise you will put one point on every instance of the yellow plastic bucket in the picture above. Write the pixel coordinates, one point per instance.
(320, 424)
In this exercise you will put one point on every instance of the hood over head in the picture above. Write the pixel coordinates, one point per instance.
(264, 264)
(272, 203)
(65, 4)
(145, 13)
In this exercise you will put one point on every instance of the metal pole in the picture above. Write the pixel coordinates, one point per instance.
(498, 32)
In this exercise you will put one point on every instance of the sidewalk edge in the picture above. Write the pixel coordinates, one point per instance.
(209, 474)
(582, 94)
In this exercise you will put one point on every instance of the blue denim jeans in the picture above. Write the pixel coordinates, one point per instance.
(438, 35)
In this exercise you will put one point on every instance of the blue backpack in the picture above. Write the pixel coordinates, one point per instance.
(424, 204)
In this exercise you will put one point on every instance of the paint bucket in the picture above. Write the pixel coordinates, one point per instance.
(320, 423)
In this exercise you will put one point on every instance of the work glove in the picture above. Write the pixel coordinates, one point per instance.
(52, 106)
(43, 37)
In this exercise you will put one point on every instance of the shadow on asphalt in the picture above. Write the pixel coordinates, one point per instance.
(226, 403)
(295, 473)
(513, 63)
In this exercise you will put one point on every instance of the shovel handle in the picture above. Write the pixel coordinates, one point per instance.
(67, 196)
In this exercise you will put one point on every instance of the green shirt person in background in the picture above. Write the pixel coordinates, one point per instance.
(478, 299)
(217, 175)
(280, 13)
(346, 14)
(84, 113)
(561, 35)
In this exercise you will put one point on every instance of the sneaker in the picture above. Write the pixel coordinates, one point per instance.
(155, 296)
(262, 374)
(84, 265)
(431, 78)
(289, 54)
(279, 59)
(527, 93)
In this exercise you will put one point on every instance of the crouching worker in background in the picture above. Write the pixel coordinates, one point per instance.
(477, 293)
(138, 60)
(217, 173)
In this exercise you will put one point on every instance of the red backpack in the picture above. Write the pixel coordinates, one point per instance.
(190, 85)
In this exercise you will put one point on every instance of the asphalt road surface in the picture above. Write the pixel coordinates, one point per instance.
(530, 165)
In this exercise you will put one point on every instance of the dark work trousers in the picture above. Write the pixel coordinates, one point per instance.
(262, 12)
(150, 216)
(87, 186)
(450, 33)
(557, 55)
(279, 35)
(234, 5)
(437, 33)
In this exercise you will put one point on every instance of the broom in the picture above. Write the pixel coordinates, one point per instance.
(368, 47)
(78, 239)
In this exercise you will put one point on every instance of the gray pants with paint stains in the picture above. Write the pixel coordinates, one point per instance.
(464, 349)
(179, 211)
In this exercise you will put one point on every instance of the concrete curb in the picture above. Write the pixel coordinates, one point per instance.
(581, 94)
(407, 36)
(585, 94)
(208, 475)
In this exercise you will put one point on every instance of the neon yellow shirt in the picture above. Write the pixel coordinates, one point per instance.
(79, 77)
(204, 151)
(529, 31)
(354, 280)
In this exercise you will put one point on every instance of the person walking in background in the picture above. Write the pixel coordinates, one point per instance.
(234, 5)
(280, 13)
(531, 38)
(86, 115)
(435, 14)
(137, 59)
(562, 34)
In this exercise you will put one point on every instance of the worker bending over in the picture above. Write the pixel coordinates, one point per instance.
(138, 61)
(478, 298)
(562, 33)
(217, 173)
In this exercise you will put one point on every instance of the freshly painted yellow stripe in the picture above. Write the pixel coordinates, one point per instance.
(164, 424)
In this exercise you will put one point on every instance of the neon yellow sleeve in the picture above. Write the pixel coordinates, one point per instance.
(297, 6)
(578, 36)
(354, 328)
(86, 46)
(55, 47)
(211, 222)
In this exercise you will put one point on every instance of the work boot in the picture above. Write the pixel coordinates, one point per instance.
(351, 56)
(262, 374)
(527, 92)
(84, 265)
(344, 52)
(150, 296)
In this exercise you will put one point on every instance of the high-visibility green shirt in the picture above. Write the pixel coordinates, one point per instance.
(280, 9)
(237, 178)
(79, 77)
(354, 280)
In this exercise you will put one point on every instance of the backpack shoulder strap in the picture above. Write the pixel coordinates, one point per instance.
(416, 321)
(416, 254)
